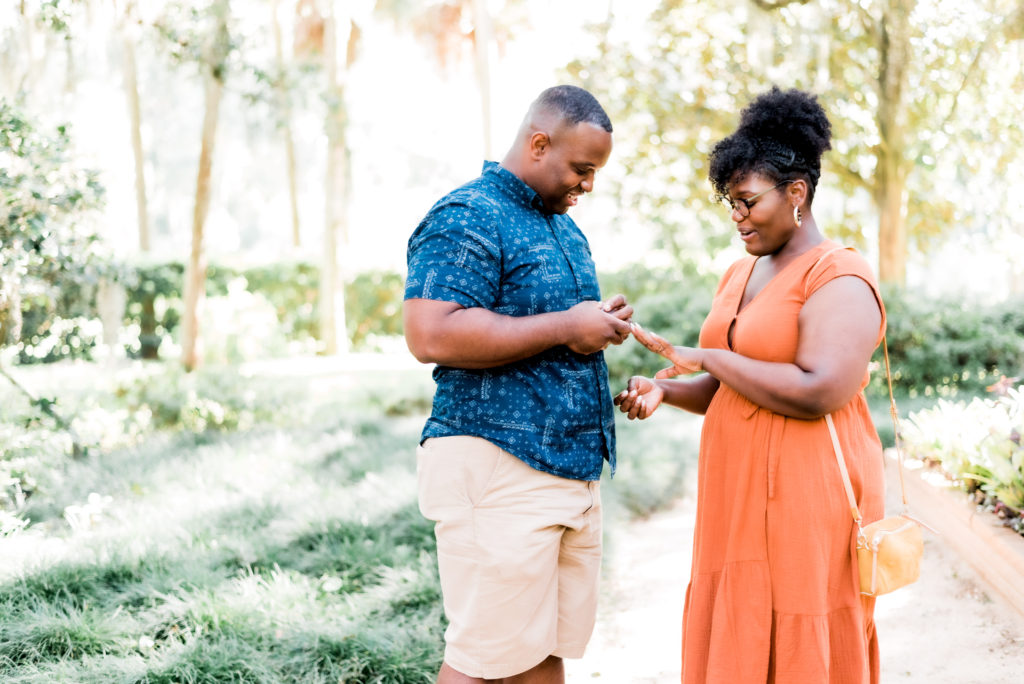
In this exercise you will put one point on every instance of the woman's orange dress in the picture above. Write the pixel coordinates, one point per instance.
(773, 594)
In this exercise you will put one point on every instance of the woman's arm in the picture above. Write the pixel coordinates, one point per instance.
(643, 396)
(838, 331)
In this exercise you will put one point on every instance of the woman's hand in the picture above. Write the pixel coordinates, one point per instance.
(685, 360)
(641, 398)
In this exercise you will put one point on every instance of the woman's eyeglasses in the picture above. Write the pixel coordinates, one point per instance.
(744, 205)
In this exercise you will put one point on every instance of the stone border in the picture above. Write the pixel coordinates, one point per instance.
(995, 552)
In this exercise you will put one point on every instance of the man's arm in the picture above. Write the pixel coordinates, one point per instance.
(449, 334)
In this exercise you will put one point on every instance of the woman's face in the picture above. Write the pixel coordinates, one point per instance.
(769, 223)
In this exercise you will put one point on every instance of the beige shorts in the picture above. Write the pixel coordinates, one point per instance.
(519, 554)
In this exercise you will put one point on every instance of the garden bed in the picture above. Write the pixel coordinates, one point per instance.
(994, 551)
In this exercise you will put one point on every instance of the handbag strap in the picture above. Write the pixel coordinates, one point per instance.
(899, 451)
(842, 470)
(893, 413)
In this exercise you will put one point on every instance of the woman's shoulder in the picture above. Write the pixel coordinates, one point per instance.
(835, 261)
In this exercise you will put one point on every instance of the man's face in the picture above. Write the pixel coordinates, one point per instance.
(566, 164)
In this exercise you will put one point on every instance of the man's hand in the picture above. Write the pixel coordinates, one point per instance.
(685, 360)
(591, 326)
(449, 334)
(618, 307)
(640, 399)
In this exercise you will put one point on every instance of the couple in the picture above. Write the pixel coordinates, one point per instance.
(502, 295)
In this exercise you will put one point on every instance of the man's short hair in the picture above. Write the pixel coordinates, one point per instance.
(575, 105)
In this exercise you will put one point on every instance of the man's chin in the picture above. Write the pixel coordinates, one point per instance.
(560, 208)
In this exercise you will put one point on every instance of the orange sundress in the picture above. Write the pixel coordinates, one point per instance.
(773, 593)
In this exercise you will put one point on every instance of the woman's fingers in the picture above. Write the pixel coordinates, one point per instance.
(659, 345)
(670, 372)
(654, 342)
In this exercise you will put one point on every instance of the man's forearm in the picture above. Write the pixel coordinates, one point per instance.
(478, 338)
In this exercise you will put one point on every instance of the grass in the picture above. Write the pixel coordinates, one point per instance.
(287, 548)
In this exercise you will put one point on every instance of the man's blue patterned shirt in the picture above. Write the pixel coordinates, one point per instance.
(490, 244)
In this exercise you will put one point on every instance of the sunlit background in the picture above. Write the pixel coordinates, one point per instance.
(415, 126)
(208, 413)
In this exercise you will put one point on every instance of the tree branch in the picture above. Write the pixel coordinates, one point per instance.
(848, 174)
(969, 73)
(46, 406)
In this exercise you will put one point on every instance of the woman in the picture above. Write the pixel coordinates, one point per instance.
(773, 594)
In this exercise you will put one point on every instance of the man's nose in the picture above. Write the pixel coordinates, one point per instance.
(588, 183)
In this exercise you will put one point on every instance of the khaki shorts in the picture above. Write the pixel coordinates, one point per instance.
(519, 554)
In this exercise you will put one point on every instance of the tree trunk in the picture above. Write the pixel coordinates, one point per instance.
(195, 271)
(284, 110)
(336, 187)
(891, 163)
(131, 90)
(892, 232)
(149, 341)
(482, 44)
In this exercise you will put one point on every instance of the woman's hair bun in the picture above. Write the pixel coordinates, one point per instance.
(792, 118)
(782, 135)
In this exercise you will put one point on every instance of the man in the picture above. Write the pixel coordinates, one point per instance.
(502, 295)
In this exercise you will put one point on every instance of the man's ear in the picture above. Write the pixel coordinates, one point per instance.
(539, 144)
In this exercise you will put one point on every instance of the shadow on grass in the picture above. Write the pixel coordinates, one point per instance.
(353, 550)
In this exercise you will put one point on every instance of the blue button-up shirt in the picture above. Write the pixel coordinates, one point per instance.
(490, 244)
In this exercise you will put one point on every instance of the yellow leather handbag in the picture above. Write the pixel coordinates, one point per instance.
(889, 550)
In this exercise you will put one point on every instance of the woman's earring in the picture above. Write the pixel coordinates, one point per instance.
(798, 216)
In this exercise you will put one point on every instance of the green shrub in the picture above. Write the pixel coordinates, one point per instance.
(940, 348)
(46, 246)
(154, 305)
(373, 303)
(209, 399)
(67, 326)
(30, 445)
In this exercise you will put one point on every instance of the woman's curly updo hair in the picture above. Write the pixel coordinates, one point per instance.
(781, 136)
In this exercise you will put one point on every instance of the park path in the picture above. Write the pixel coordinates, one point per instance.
(943, 629)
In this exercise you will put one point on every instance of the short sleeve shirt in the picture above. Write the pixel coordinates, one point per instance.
(489, 244)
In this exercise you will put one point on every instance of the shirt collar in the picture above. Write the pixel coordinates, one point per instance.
(513, 185)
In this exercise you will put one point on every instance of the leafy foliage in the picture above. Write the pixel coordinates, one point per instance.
(979, 445)
(45, 241)
(63, 324)
(679, 87)
(939, 347)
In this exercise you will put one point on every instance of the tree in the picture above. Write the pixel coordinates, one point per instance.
(204, 39)
(894, 75)
(27, 51)
(330, 33)
(46, 241)
(284, 113)
(447, 26)
(128, 28)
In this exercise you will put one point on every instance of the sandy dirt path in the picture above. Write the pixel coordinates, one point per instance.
(944, 628)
